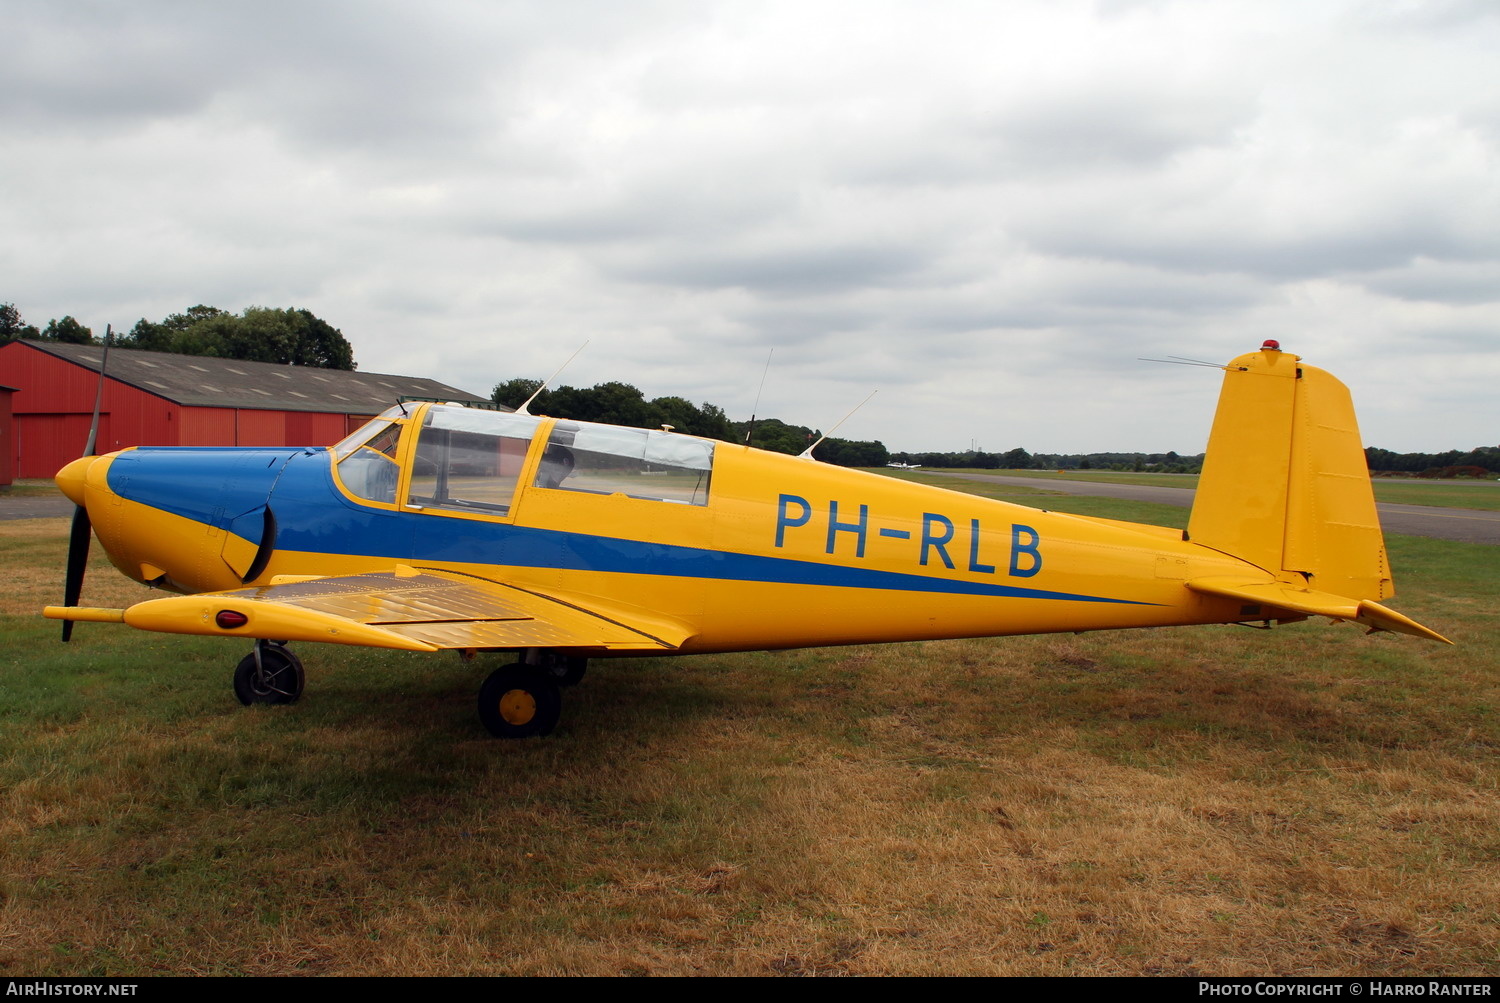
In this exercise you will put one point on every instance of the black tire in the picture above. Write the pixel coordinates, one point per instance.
(280, 680)
(520, 701)
(569, 671)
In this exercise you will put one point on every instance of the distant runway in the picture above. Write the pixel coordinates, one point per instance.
(1465, 525)
(33, 508)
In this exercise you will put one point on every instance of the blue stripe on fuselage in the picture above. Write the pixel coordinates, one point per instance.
(208, 484)
(314, 517)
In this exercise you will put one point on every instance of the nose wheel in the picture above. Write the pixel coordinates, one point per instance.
(269, 674)
(520, 701)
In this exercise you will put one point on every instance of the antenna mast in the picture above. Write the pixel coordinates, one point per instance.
(806, 454)
(750, 432)
(548, 380)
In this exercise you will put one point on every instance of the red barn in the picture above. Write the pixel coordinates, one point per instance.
(157, 399)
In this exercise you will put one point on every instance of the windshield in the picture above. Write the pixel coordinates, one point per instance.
(367, 431)
(371, 471)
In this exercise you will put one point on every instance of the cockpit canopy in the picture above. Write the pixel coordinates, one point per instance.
(469, 460)
(638, 462)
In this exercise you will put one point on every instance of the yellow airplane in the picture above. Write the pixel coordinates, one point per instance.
(437, 526)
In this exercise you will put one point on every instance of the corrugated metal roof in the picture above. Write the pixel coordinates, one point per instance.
(202, 381)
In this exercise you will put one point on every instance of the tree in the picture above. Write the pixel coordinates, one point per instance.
(515, 392)
(616, 403)
(288, 336)
(776, 435)
(321, 344)
(12, 326)
(68, 331)
(853, 453)
(173, 333)
(714, 423)
(1016, 459)
(684, 416)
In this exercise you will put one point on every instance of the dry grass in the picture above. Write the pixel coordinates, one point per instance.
(29, 487)
(35, 551)
(1202, 801)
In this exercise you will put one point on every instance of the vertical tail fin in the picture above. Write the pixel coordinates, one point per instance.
(1285, 485)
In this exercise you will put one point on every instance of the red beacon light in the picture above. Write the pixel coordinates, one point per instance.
(1270, 345)
(229, 619)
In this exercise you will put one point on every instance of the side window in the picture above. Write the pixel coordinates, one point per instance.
(469, 461)
(369, 469)
(604, 459)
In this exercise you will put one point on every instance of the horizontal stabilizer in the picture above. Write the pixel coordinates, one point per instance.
(1289, 597)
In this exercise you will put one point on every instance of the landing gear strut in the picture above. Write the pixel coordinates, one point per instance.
(567, 670)
(269, 674)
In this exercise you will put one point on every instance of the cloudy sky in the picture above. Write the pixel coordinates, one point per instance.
(988, 211)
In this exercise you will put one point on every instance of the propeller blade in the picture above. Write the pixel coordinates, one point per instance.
(78, 559)
(78, 537)
(109, 337)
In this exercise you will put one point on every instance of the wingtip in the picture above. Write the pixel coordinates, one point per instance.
(1379, 617)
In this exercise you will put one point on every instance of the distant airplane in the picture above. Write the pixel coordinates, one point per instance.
(437, 526)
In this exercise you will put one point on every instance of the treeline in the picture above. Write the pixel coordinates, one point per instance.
(287, 336)
(67, 330)
(779, 437)
(617, 403)
(1020, 459)
(1478, 462)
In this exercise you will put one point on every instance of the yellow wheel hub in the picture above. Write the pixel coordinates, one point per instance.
(517, 707)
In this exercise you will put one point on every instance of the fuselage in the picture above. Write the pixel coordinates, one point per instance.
(748, 549)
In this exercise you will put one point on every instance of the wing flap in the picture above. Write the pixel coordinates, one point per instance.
(1286, 596)
(410, 609)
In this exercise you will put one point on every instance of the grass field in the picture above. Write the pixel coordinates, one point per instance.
(33, 487)
(1190, 801)
(1096, 476)
(1483, 495)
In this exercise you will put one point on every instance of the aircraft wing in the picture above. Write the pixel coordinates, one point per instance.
(1284, 596)
(406, 608)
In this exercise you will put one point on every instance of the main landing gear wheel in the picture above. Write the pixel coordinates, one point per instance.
(520, 701)
(269, 674)
(569, 671)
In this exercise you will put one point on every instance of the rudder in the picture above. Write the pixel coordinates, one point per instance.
(1285, 485)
